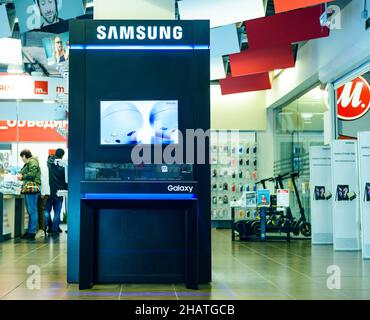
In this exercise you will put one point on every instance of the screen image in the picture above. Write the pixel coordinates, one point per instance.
(319, 193)
(36, 14)
(367, 191)
(139, 122)
(342, 192)
(56, 48)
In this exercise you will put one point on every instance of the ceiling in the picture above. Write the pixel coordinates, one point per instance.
(34, 57)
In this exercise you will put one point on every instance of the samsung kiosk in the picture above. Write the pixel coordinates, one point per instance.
(136, 87)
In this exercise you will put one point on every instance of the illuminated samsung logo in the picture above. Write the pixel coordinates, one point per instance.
(139, 33)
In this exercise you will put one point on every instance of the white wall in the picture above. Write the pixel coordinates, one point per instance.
(325, 59)
(242, 111)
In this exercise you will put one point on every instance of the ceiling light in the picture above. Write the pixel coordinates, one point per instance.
(307, 115)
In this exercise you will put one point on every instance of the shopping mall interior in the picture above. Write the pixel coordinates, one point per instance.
(184, 150)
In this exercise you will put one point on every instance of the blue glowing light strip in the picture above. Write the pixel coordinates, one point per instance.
(139, 47)
(138, 196)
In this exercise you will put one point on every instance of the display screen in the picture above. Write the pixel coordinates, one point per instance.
(139, 122)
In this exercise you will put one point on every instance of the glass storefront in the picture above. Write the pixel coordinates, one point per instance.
(298, 126)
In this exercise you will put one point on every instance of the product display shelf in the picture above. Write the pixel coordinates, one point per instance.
(233, 171)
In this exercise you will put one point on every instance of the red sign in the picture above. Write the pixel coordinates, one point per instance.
(33, 131)
(353, 99)
(41, 87)
(287, 5)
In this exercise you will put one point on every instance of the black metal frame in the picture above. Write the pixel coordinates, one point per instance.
(88, 252)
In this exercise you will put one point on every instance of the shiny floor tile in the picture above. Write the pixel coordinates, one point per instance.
(241, 271)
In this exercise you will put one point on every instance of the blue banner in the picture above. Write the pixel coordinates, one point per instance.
(263, 197)
(5, 31)
(36, 14)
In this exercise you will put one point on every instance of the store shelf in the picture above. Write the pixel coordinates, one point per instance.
(233, 171)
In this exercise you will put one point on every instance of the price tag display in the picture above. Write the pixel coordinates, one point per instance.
(282, 198)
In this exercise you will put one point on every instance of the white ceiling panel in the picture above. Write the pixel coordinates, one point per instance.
(217, 68)
(221, 12)
(4, 23)
(224, 40)
(10, 51)
(134, 9)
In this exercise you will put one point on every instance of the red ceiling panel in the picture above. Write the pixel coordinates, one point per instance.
(252, 61)
(287, 5)
(253, 82)
(293, 26)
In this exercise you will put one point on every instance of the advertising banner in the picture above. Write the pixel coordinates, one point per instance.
(250, 199)
(35, 14)
(56, 48)
(263, 197)
(139, 122)
(282, 198)
(287, 5)
(32, 88)
(364, 186)
(353, 104)
(33, 131)
(346, 215)
(321, 195)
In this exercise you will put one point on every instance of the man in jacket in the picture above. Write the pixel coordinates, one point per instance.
(30, 174)
(57, 181)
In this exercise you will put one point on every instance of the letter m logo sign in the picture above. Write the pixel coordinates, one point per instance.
(41, 87)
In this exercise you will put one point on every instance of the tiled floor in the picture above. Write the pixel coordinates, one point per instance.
(241, 270)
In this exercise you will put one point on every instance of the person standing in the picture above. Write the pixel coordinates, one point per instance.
(30, 175)
(57, 182)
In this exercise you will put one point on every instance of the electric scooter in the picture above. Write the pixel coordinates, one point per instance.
(276, 221)
(300, 226)
(244, 227)
(284, 222)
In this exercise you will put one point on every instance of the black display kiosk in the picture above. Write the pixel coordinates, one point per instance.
(138, 84)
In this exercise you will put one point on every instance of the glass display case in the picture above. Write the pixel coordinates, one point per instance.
(130, 172)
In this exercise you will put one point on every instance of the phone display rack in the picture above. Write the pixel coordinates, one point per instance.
(233, 171)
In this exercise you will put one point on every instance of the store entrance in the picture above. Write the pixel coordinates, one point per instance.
(33, 163)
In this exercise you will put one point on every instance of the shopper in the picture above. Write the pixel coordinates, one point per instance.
(57, 182)
(30, 176)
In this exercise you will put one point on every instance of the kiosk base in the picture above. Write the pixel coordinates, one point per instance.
(92, 210)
